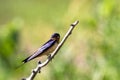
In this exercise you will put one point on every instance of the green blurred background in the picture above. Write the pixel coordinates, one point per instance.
(92, 52)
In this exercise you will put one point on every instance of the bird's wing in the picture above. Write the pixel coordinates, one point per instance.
(41, 50)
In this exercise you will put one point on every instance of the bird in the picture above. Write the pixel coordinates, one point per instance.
(46, 48)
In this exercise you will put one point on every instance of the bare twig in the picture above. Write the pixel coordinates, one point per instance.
(40, 65)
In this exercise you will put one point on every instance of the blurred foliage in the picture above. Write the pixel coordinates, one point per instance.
(92, 52)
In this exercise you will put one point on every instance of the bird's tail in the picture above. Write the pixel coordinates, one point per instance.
(19, 66)
(26, 60)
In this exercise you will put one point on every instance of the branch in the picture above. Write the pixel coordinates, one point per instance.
(40, 65)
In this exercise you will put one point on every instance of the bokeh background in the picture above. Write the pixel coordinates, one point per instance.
(92, 52)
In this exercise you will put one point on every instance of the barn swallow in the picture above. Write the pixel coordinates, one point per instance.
(46, 48)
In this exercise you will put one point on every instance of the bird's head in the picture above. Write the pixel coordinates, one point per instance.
(56, 36)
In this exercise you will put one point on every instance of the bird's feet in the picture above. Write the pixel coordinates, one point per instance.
(49, 56)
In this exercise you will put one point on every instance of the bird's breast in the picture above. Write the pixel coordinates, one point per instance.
(51, 49)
